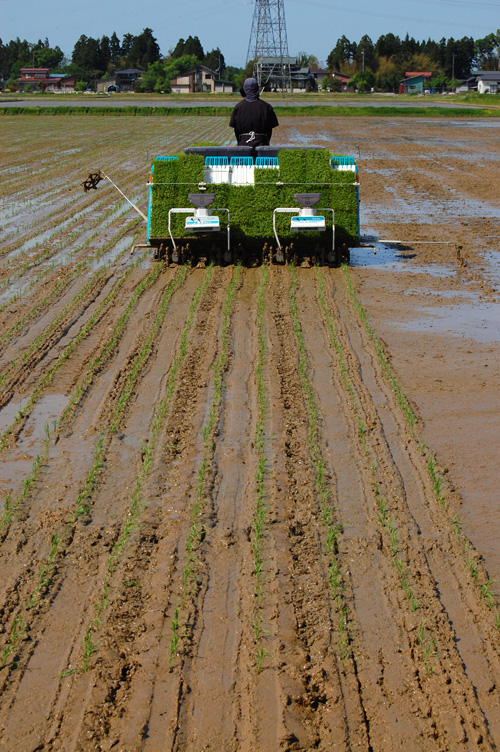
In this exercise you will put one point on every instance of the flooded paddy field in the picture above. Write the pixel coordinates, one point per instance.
(249, 508)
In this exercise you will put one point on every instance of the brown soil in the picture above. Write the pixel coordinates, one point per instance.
(235, 538)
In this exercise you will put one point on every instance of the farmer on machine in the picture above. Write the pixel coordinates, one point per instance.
(252, 119)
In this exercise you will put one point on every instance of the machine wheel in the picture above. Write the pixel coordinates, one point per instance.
(344, 255)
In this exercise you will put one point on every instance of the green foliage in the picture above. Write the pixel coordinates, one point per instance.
(251, 207)
(215, 60)
(363, 81)
(189, 46)
(158, 75)
(144, 50)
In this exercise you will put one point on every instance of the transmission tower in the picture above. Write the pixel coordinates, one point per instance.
(268, 45)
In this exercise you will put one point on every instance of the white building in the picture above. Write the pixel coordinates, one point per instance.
(488, 82)
(199, 79)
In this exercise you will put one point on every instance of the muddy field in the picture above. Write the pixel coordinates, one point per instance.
(249, 509)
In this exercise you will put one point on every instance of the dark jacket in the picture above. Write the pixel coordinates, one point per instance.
(256, 118)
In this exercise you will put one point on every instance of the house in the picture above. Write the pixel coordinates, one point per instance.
(467, 84)
(319, 75)
(302, 79)
(199, 79)
(42, 79)
(488, 82)
(343, 80)
(123, 80)
(425, 74)
(414, 83)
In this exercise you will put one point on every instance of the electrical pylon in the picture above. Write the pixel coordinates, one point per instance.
(268, 45)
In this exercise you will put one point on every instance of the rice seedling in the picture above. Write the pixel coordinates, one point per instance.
(487, 595)
(97, 363)
(437, 481)
(261, 472)
(388, 524)
(429, 652)
(260, 655)
(12, 503)
(336, 342)
(48, 377)
(343, 639)
(16, 635)
(402, 399)
(46, 571)
(174, 640)
(89, 647)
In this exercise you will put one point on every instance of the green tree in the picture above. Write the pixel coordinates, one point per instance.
(127, 42)
(158, 75)
(440, 83)
(179, 48)
(144, 50)
(388, 75)
(365, 54)
(192, 46)
(49, 57)
(246, 72)
(232, 73)
(388, 46)
(363, 81)
(115, 48)
(486, 52)
(86, 58)
(215, 61)
(342, 54)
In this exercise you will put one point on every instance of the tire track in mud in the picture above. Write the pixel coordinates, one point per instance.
(213, 669)
(320, 706)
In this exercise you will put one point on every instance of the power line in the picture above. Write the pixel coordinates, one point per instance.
(366, 13)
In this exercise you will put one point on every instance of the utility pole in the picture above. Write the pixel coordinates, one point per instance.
(268, 45)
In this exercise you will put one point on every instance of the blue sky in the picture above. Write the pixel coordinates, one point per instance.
(313, 26)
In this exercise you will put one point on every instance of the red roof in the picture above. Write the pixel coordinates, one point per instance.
(425, 74)
(35, 70)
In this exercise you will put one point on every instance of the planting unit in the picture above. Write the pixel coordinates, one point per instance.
(272, 203)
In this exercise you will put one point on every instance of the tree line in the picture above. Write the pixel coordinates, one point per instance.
(93, 59)
(380, 65)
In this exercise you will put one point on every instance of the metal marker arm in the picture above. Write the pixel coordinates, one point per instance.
(125, 197)
(176, 211)
(282, 210)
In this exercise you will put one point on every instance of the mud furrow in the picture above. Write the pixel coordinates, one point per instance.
(216, 671)
(423, 585)
(315, 711)
(427, 532)
(156, 524)
(66, 465)
(103, 533)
